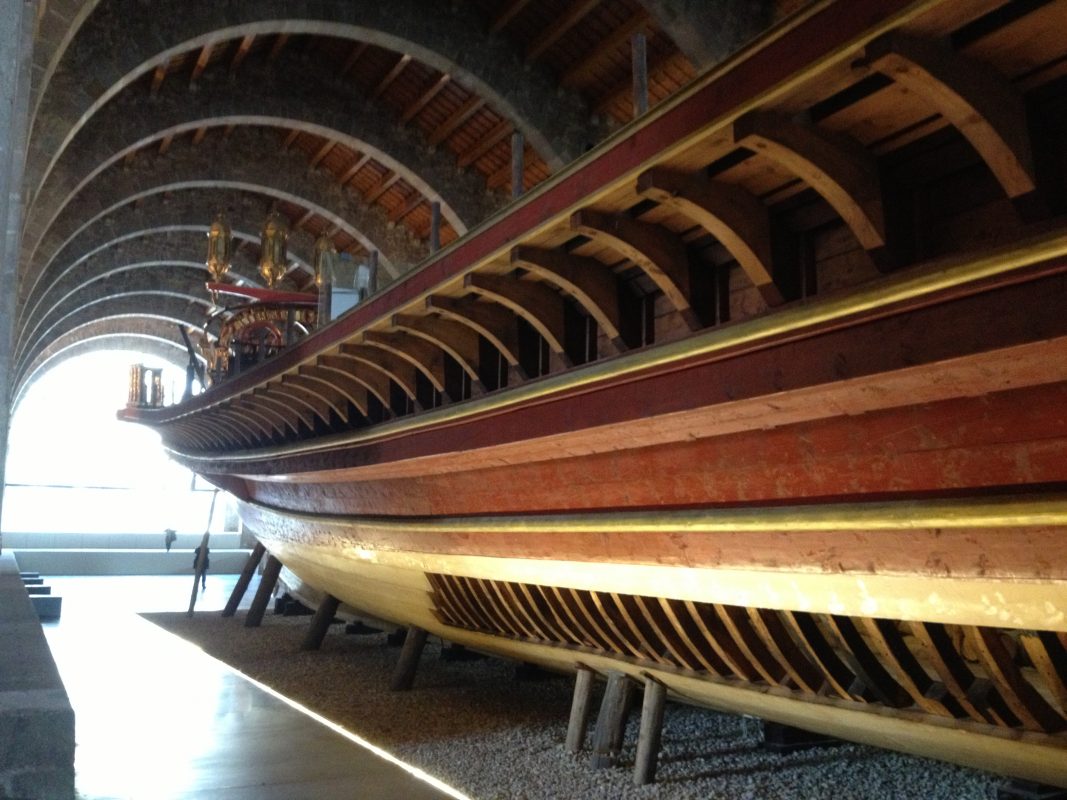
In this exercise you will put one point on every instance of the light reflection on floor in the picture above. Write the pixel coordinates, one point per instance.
(157, 719)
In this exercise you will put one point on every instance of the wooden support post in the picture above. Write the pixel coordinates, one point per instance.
(611, 721)
(435, 226)
(648, 739)
(580, 705)
(201, 564)
(372, 272)
(321, 623)
(404, 675)
(241, 586)
(517, 165)
(639, 58)
(266, 589)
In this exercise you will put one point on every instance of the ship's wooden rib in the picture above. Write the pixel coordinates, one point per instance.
(589, 281)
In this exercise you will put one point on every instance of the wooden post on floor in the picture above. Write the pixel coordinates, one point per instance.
(320, 623)
(266, 589)
(648, 740)
(580, 705)
(242, 582)
(200, 566)
(404, 674)
(611, 721)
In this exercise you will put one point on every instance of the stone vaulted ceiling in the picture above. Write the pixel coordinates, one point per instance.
(146, 117)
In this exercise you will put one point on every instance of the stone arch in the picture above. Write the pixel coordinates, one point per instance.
(137, 255)
(555, 123)
(190, 210)
(287, 94)
(182, 307)
(148, 334)
(233, 163)
(171, 244)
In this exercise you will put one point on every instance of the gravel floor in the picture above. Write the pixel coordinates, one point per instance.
(477, 727)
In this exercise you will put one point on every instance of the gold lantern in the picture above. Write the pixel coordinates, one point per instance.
(219, 248)
(325, 260)
(272, 243)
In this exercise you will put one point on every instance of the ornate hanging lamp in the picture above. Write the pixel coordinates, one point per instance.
(272, 248)
(325, 260)
(219, 248)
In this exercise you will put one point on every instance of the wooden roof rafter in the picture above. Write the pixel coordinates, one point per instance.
(559, 27)
(389, 77)
(242, 51)
(202, 61)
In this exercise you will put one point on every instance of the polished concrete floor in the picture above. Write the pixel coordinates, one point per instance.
(159, 719)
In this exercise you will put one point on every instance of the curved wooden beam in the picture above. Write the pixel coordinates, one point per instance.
(372, 380)
(269, 409)
(657, 251)
(320, 390)
(539, 305)
(422, 355)
(185, 430)
(839, 169)
(455, 338)
(975, 98)
(590, 282)
(252, 431)
(346, 388)
(319, 407)
(395, 368)
(737, 219)
(491, 321)
(286, 409)
(272, 423)
(218, 430)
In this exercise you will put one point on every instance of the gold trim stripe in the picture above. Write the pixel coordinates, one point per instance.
(994, 512)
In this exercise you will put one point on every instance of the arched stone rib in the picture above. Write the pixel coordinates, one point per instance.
(180, 308)
(174, 308)
(248, 160)
(172, 247)
(189, 210)
(187, 280)
(153, 338)
(288, 93)
(556, 124)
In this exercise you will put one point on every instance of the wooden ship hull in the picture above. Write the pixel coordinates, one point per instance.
(805, 457)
